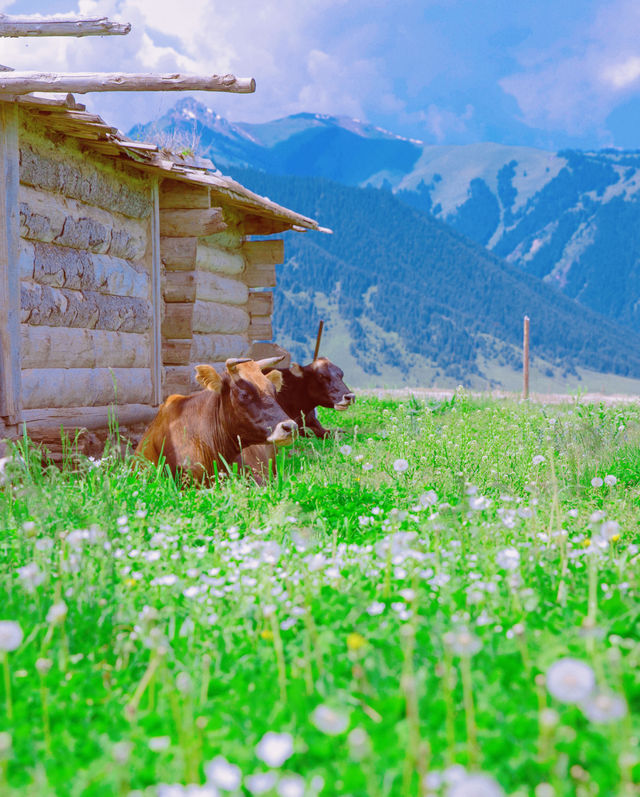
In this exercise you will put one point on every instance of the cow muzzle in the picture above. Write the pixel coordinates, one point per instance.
(282, 435)
(347, 401)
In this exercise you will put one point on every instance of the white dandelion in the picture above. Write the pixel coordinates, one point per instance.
(462, 642)
(11, 635)
(329, 720)
(346, 450)
(291, 786)
(610, 480)
(260, 782)
(537, 460)
(400, 465)
(508, 558)
(222, 774)
(570, 680)
(275, 748)
(603, 707)
(596, 482)
(475, 785)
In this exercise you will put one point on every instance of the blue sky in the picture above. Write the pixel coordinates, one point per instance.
(544, 73)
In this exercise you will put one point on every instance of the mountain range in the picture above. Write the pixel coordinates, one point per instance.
(438, 251)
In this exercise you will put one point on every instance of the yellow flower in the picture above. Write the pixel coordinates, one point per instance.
(266, 633)
(130, 582)
(615, 538)
(586, 543)
(355, 641)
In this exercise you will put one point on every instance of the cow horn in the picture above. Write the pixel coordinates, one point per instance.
(269, 362)
(233, 362)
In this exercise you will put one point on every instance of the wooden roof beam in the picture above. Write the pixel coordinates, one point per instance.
(12, 26)
(80, 83)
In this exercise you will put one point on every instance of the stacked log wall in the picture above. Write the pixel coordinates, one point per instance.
(85, 276)
(206, 316)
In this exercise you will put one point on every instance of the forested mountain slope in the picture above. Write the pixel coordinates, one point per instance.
(405, 289)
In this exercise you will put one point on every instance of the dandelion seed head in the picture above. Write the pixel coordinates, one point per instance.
(596, 481)
(260, 782)
(345, 450)
(462, 642)
(604, 707)
(329, 720)
(610, 480)
(222, 774)
(275, 748)
(291, 786)
(400, 465)
(538, 459)
(11, 635)
(475, 785)
(570, 680)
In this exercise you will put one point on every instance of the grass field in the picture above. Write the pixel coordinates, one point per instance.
(444, 601)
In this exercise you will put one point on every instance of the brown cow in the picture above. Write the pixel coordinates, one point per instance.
(199, 433)
(304, 388)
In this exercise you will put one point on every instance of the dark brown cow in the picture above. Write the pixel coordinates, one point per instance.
(199, 433)
(306, 387)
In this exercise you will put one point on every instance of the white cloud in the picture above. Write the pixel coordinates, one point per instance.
(575, 83)
(441, 122)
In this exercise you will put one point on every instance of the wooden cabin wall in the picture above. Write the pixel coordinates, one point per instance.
(85, 271)
(212, 310)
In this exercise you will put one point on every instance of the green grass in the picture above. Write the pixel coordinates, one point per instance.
(397, 627)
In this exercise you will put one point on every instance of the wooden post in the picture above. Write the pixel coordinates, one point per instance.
(10, 375)
(80, 83)
(11, 26)
(317, 349)
(525, 359)
(156, 299)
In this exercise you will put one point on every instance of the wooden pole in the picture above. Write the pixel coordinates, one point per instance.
(320, 327)
(80, 83)
(10, 372)
(12, 26)
(525, 359)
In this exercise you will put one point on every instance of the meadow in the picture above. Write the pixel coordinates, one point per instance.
(443, 600)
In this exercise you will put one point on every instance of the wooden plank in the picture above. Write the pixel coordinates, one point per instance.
(43, 421)
(187, 286)
(174, 194)
(216, 347)
(65, 347)
(178, 320)
(219, 260)
(260, 328)
(42, 305)
(10, 382)
(178, 253)
(176, 352)
(14, 26)
(260, 276)
(264, 252)
(218, 317)
(68, 387)
(260, 303)
(82, 82)
(157, 304)
(192, 222)
(263, 225)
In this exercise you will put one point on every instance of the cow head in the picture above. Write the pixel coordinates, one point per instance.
(323, 384)
(248, 398)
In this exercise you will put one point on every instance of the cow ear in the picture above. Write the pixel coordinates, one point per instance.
(276, 378)
(296, 370)
(208, 377)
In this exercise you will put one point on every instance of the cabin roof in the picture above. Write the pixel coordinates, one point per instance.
(63, 114)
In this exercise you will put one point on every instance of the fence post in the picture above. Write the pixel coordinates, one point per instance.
(525, 359)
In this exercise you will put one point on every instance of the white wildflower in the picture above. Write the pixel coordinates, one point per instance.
(475, 785)
(260, 782)
(275, 748)
(570, 680)
(610, 529)
(11, 635)
(400, 465)
(538, 459)
(345, 450)
(376, 608)
(222, 774)
(159, 743)
(428, 499)
(31, 576)
(604, 707)
(330, 721)
(367, 466)
(508, 558)
(596, 482)
(479, 502)
(610, 480)
(291, 786)
(462, 642)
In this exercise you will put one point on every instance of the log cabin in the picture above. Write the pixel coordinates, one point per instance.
(121, 266)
